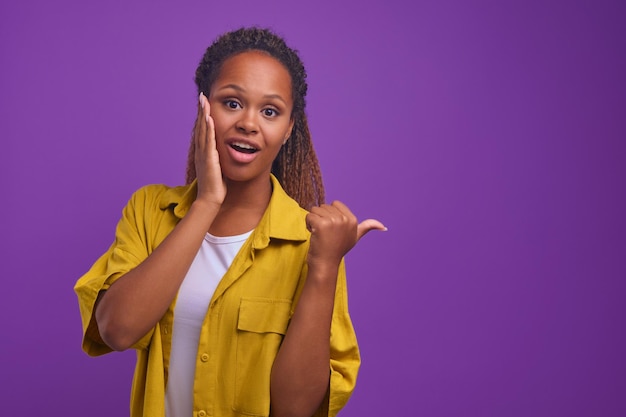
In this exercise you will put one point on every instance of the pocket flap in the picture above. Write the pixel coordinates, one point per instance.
(264, 315)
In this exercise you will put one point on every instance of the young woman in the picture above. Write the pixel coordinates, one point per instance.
(233, 294)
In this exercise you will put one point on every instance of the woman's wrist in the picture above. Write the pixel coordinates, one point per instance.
(323, 271)
(202, 213)
(205, 205)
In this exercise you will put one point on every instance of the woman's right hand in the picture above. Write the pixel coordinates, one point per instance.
(211, 185)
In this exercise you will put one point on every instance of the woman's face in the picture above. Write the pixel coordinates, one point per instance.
(251, 106)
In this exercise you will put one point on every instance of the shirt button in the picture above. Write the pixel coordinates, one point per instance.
(204, 357)
(201, 413)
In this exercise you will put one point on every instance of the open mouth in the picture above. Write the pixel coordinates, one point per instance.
(243, 147)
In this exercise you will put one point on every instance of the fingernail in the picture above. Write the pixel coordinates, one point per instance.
(200, 99)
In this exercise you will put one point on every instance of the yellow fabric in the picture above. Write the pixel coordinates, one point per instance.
(247, 317)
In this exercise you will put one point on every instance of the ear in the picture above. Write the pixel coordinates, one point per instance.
(289, 130)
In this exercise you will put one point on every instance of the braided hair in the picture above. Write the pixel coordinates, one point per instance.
(296, 166)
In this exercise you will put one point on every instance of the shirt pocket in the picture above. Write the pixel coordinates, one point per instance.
(261, 326)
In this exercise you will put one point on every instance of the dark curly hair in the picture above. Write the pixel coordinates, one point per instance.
(296, 166)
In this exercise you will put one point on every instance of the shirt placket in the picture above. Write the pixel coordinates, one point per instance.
(205, 381)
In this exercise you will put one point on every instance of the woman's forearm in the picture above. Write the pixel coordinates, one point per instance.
(301, 371)
(138, 299)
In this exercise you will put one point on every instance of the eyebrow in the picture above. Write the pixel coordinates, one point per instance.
(266, 96)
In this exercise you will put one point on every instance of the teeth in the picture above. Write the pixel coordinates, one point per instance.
(243, 146)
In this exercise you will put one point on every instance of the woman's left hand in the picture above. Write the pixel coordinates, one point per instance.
(334, 231)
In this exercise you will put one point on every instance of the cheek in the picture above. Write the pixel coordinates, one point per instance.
(220, 124)
(281, 132)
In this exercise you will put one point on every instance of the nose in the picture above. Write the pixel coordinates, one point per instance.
(248, 123)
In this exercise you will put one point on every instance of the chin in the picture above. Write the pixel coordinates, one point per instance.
(243, 175)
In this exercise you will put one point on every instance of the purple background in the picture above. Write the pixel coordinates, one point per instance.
(489, 136)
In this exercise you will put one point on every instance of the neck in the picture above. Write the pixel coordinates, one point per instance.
(247, 195)
(243, 207)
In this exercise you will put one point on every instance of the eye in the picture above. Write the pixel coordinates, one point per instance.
(270, 112)
(232, 104)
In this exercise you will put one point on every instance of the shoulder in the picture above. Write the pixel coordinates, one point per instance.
(155, 198)
(285, 216)
(159, 195)
(281, 201)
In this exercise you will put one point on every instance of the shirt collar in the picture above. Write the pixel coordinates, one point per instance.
(283, 218)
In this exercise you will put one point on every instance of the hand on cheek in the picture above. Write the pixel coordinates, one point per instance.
(211, 186)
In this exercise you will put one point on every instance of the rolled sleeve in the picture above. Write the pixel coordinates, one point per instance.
(345, 358)
(129, 249)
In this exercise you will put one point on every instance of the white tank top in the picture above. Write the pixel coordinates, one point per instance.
(207, 269)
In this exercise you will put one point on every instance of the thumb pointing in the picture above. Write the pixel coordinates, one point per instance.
(367, 225)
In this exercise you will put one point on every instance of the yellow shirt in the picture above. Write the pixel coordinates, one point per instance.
(247, 317)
